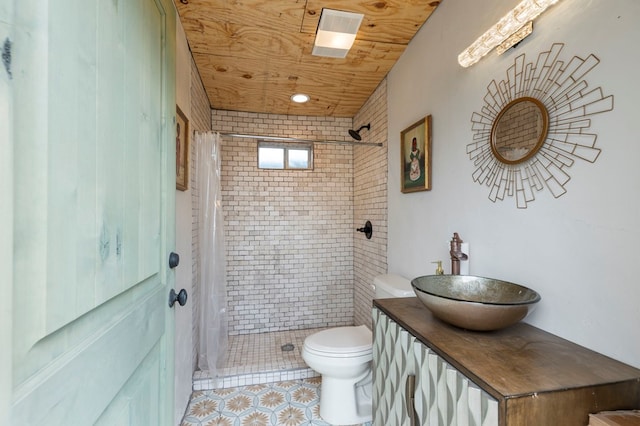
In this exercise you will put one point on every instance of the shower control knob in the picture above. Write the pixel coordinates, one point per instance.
(180, 297)
(367, 229)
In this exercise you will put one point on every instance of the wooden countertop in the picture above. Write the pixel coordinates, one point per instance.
(516, 361)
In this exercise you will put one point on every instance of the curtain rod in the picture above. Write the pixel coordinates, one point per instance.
(285, 139)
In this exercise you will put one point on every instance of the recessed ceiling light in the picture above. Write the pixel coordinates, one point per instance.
(300, 98)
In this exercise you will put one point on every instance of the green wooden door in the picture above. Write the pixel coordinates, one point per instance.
(6, 213)
(93, 97)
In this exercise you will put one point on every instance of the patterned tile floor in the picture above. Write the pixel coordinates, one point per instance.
(260, 385)
(289, 403)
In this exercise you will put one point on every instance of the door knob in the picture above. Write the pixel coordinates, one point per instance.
(180, 297)
(174, 260)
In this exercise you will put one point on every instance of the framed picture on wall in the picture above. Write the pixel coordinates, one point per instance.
(182, 151)
(415, 155)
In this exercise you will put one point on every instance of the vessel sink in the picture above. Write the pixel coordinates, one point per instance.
(475, 303)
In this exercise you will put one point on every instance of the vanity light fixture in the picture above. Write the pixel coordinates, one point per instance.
(300, 98)
(336, 33)
(510, 30)
(515, 38)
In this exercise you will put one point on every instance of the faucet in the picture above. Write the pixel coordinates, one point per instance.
(456, 254)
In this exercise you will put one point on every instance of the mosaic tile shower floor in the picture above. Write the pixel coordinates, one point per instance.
(259, 358)
(288, 403)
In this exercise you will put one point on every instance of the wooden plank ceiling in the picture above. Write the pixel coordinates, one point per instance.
(254, 54)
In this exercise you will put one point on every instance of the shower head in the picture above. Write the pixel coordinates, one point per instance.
(356, 133)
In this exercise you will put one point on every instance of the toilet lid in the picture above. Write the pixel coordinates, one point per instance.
(341, 340)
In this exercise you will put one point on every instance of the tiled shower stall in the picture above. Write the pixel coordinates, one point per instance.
(294, 258)
(288, 232)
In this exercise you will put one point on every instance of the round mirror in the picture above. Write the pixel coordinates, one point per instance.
(519, 130)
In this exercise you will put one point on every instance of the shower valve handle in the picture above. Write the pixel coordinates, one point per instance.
(367, 229)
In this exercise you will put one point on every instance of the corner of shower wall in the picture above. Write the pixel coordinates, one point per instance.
(370, 203)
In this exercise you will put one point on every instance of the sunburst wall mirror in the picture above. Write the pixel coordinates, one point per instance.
(534, 125)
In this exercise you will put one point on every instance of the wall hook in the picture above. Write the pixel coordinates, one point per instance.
(368, 230)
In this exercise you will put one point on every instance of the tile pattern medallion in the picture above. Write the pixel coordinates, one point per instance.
(289, 403)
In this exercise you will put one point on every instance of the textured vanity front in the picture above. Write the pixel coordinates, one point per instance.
(415, 386)
(535, 377)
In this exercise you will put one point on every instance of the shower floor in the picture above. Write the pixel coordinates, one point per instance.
(258, 358)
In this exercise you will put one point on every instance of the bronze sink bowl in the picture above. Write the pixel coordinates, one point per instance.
(475, 303)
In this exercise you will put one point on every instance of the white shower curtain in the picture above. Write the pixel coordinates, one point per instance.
(212, 284)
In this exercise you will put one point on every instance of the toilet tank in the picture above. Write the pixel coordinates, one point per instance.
(390, 285)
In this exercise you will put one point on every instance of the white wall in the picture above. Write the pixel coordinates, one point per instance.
(578, 251)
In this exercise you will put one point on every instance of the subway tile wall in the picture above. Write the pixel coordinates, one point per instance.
(289, 233)
(370, 202)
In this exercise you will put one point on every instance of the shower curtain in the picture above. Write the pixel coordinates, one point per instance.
(212, 272)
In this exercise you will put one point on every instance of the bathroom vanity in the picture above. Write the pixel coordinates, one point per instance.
(428, 372)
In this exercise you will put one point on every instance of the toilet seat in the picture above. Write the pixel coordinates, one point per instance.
(340, 342)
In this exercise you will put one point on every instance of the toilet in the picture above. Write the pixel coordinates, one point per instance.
(342, 355)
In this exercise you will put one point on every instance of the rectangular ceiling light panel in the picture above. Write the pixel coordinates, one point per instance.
(336, 33)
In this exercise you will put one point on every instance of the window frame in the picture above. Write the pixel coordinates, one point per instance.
(286, 147)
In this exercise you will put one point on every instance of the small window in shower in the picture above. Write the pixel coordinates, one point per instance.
(285, 156)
